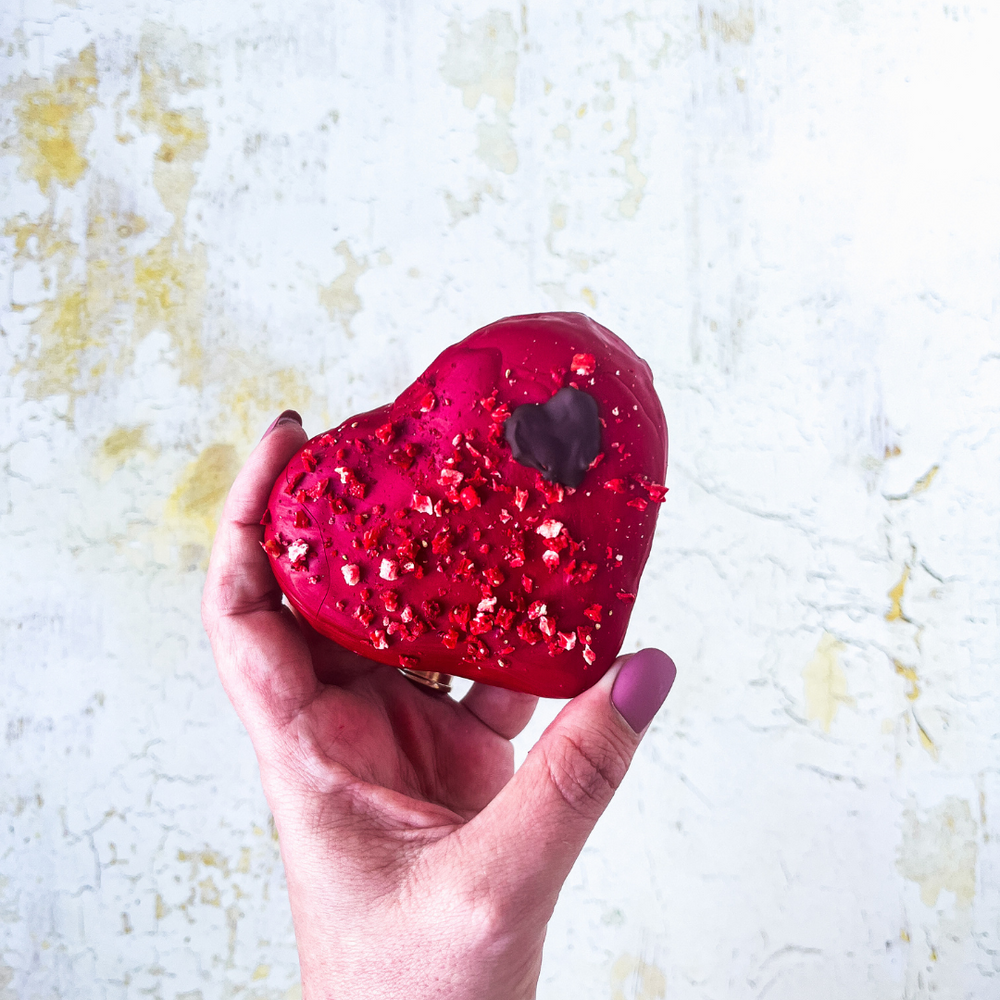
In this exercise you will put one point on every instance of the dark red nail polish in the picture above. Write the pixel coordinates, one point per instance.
(642, 686)
(281, 418)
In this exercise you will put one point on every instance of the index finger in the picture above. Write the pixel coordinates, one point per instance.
(262, 657)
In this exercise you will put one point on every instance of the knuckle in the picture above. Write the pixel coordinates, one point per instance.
(586, 772)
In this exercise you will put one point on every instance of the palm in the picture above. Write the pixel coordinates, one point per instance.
(369, 720)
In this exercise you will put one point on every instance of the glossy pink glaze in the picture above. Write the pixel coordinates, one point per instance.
(467, 391)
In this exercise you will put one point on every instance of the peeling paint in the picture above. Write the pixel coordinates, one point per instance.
(939, 851)
(340, 297)
(633, 978)
(825, 682)
(629, 205)
(482, 62)
(196, 502)
(55, 121)
(895, 612)
(87, 324)
(738, 28)
(911, 675)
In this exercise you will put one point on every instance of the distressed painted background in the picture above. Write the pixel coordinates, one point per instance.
(212, 211)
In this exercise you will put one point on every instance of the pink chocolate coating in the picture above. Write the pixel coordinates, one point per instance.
(410, 535)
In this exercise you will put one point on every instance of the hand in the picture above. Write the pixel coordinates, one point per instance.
(418, 864)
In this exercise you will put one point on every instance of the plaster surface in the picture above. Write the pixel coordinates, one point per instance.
(213, 211)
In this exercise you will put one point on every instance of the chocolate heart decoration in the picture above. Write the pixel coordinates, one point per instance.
(560, 438)
(492, 522)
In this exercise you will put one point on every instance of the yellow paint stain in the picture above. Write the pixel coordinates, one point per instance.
(233, 914)
(939, 851)
(261, 972)
(581, 111)
(101, 296)
(925, 740)
(170, 277)
(739, 28)
(340, 298)
(54, 121)
(911, 675)
(589, 297)
(557, 217)
(893, 451)
(825, 682)
(62, 336)
(895, 612)
(194, 506)
(482, 61)
(904, 936)
(293, 992)
(637, 979)
(122, 444)
(924, 482)
(561, 132)
(161, 908)
(496, 145)
(243, 865)
(629, 205)
(38, 241)
(210, 895)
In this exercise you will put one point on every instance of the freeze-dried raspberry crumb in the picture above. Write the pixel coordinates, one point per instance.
(657, 493)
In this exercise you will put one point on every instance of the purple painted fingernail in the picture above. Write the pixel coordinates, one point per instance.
(281, 418)
(642, 686)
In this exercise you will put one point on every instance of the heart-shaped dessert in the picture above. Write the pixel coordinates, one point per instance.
(492, 522)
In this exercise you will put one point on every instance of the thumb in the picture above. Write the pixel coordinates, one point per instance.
(536, 826)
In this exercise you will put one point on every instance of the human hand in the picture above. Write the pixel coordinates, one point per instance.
(418, 863)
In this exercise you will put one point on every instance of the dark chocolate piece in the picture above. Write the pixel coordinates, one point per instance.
(560, 438)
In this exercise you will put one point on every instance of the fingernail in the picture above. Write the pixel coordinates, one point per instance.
(642, 686)
(282, 418)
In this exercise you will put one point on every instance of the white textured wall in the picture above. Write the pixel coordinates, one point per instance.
(212, 211)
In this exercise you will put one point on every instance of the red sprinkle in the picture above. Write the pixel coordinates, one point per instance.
(583, 364)
(593, 612)
(384, 433)
(657, 493)
(469, 498)
(460, 614)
